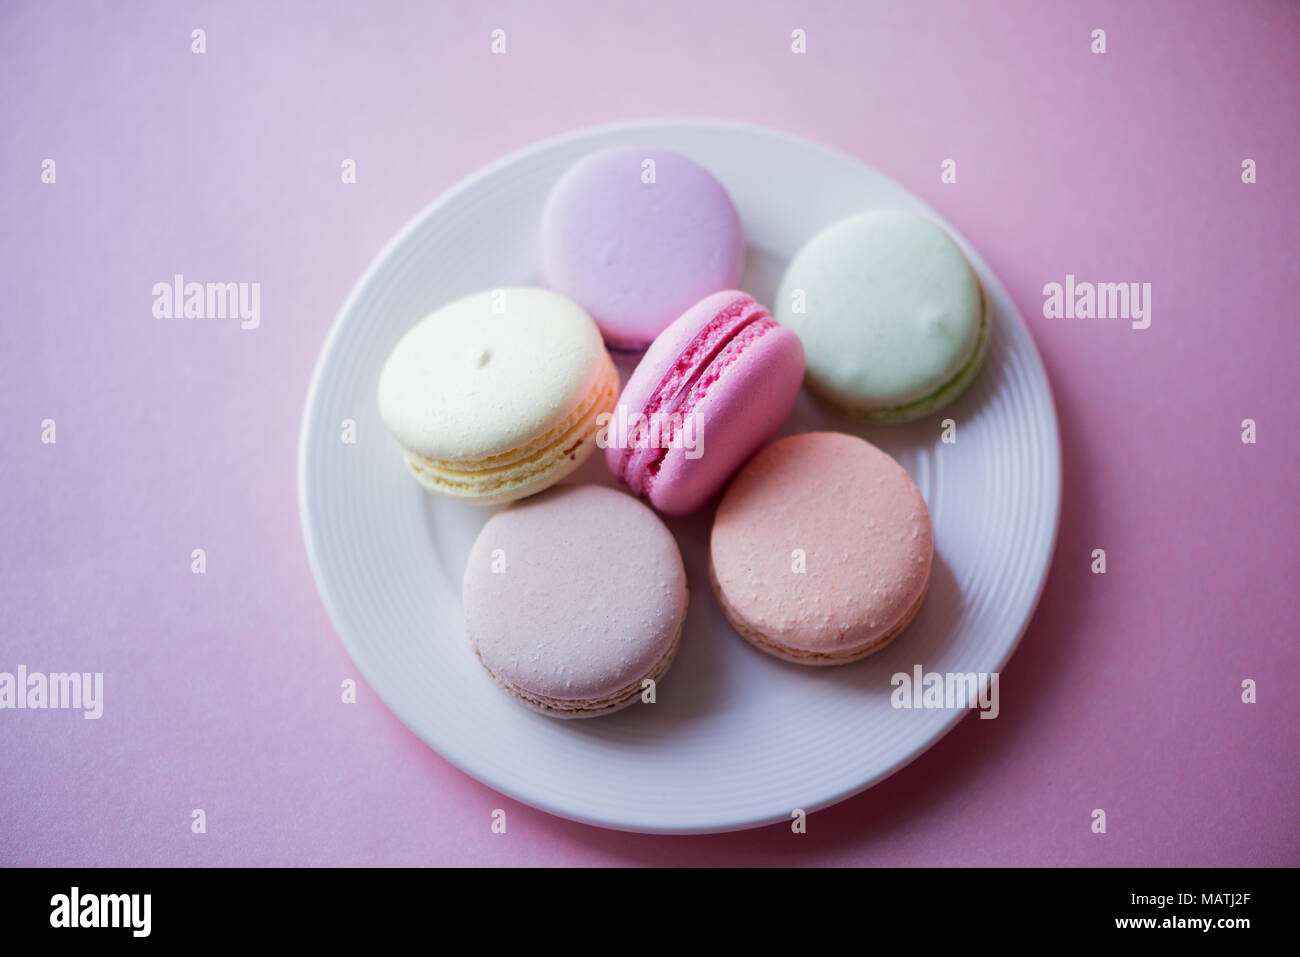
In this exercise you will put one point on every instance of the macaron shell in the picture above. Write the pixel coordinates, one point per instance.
(891, 310)
(799, 656)
(636, 254)
(862, 530)
(738, 413)
(573, 596)
(470, 382)
(954, 387)
(496, 480)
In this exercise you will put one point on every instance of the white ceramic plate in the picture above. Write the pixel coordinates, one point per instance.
(736, 739)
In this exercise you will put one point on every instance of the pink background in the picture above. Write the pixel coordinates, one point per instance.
(222, 690)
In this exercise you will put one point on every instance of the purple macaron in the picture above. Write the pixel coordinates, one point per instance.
(635, 236)
(713, 388)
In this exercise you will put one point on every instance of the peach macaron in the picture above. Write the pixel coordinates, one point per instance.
(821, 549)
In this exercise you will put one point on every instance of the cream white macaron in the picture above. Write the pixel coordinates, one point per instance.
(893, 320)
(495, 396)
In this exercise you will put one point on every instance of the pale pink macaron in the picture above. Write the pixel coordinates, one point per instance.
(711, 390)
(821, 549)
(573, 598)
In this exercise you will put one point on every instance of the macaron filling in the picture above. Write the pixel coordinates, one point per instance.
(713, 372)
(699, 365)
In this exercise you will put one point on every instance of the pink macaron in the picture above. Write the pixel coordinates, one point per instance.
(711, 390)
(821, 549)
(574, 600)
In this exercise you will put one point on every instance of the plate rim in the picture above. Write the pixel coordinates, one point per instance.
(466, 183)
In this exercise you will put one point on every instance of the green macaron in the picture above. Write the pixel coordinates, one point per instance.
(893, 320)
